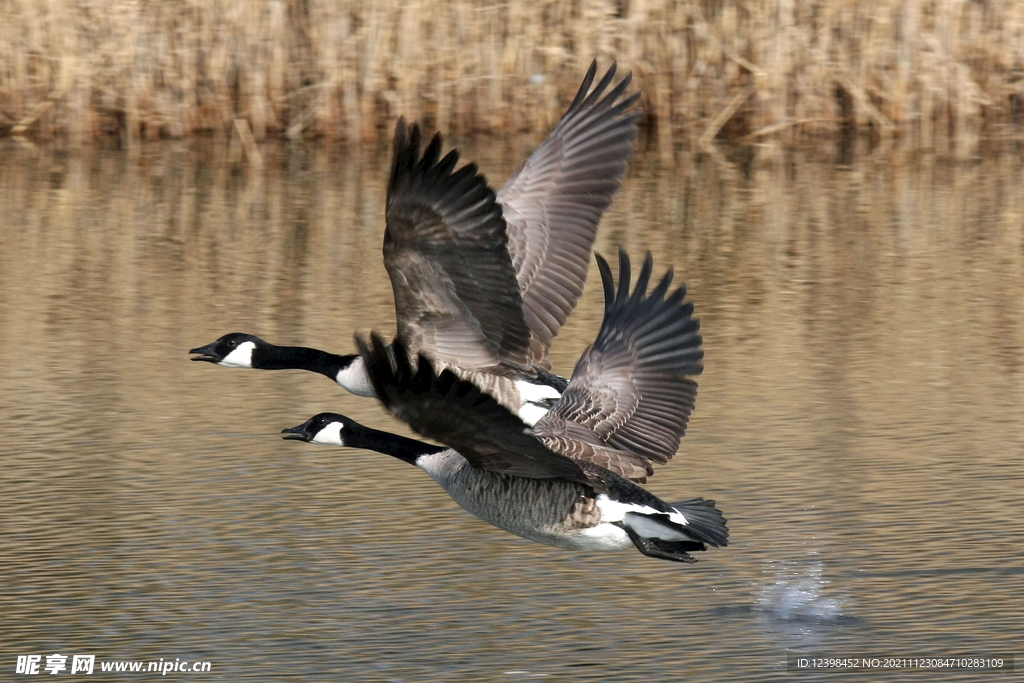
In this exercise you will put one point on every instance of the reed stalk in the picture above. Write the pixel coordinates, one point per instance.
(939, 74)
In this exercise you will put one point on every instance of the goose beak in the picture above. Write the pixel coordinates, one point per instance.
(295, 433)
(206, 353)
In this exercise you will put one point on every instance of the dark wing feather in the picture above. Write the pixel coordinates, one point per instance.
(459, 415)
(554, 203)
(445, 249)
(630, 398)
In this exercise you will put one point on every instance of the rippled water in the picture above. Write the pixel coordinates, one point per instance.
(860, 423)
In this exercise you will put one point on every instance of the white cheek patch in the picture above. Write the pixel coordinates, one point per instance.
(241, 357)
(355, 379)
(330, 435)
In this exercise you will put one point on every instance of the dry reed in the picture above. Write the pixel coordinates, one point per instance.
(937, 73)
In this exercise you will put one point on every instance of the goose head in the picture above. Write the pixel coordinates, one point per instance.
(235, 350)
(328, 429)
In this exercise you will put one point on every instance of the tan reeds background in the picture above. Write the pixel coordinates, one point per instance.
(938, 74)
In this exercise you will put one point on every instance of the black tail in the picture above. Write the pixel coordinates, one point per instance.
(656, 534)
(706, 522)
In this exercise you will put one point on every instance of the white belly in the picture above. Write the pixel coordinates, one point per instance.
(603, 537)
(533, 509)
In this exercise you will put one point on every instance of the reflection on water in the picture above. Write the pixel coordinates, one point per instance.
(859, 422)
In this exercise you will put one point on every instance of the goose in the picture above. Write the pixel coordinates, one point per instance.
(484, 281)
(572, 480)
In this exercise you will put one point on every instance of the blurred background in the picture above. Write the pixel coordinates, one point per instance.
(941, 75)
(839, 184)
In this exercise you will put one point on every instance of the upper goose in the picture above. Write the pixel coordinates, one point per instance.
(566, 482)
(483, 282)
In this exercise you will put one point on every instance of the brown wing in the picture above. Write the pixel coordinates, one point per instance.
(458, 414)
(629, 399)
(580, 443)
(554, 203)
(445, 249)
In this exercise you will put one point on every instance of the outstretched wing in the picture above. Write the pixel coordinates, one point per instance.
(629, 399)
(554, 203)
(461, 416)
(445, 249)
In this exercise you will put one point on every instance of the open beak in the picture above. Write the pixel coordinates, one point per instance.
(206, 353)
(296, 433)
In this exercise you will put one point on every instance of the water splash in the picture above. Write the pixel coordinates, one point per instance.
(795, 612)
(796, 593)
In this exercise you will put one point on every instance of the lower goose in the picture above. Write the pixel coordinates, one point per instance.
(567, 481)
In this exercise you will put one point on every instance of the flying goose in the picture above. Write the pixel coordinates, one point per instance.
(566, 482)
(483, 282)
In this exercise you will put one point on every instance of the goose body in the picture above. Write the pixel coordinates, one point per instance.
(565, 482)
(556, 512)
(570, 515)
(483, 281)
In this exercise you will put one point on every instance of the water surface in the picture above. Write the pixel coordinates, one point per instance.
(859, 422)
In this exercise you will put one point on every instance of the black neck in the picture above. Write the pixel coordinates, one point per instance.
(395, 445)
(302, 358)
